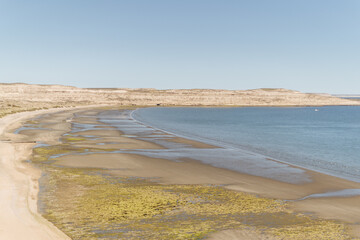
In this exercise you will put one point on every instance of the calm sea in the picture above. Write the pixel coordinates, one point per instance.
(326, 139)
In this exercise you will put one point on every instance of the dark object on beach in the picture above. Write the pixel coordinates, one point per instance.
(158, 104)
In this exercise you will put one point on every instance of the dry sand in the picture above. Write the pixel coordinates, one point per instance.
(19, 218)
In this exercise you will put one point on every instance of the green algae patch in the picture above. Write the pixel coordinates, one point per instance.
(74, 139)
(89, 204)
(48, 154)
(84, 203)
(313, 229)
(43, 154)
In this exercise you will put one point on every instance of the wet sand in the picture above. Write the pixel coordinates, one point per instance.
(125, 151)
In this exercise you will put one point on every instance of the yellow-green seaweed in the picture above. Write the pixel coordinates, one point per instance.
(86, 204)
(74, 139)
(91, 204)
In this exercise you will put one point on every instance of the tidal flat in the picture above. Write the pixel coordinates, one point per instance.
(101, 181)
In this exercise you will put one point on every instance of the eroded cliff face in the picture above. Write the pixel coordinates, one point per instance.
(19, 96)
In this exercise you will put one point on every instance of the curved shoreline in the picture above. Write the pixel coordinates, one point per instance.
(37, 227)
(343, 208)
(136, 115)
(19, 187)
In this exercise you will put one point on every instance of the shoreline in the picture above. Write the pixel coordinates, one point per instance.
(19, 186)
(244, 148)
(201, 173)
(324, 184)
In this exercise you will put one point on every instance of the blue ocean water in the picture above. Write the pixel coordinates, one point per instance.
(325, 139)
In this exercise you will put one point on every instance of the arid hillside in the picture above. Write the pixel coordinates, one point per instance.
(19, 97)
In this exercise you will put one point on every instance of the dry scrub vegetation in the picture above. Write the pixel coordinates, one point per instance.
(24, 97)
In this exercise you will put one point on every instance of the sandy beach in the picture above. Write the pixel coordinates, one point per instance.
(19, 187)
(78, 141)
(19, 218)
(179, 120)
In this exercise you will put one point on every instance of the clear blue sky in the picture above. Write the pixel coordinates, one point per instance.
(307, 45)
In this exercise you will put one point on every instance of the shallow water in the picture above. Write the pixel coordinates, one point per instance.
(324, 139)
(227, 157)
(341, 193)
